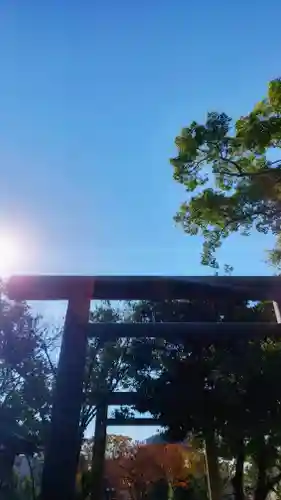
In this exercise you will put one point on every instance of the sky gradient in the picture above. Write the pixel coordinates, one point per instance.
(92, 95)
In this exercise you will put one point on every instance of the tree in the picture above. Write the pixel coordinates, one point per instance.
(24, 374)
(116, 446)
(24, 384)
(232, 175)
(28, 369)
(106, 370)
(145, 470)
(223, 377)
(145, 467)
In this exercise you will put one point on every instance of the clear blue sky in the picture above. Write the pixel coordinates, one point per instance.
(92, 94)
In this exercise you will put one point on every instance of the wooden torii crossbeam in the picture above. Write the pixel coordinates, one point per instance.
(144, 287)
(61, 456)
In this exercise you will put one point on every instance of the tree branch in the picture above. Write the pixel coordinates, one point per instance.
(235, 164)
(252, 216)
(51, 365)
(245, 174)
(274, 162)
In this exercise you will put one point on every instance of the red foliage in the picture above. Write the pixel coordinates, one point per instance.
(147, 464)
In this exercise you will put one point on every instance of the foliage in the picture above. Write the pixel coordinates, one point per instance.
(24, 373)
(142, 470)
(116, 446)
(28, 372)
(232, 175)
(106, 370)
(217, 383)
(28, 367)
(145, 467)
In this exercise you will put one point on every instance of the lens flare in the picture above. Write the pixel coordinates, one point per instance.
(9, 255)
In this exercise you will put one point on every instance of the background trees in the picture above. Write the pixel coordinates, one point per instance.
(116, 446)
(28, 354)
(147, 469)
(28, 366)
(25, 383)
(137, 471)
(25, 376)
(197, 388)
(105, 367)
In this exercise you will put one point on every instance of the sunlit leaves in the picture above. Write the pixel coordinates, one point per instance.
(144, 466)
(274, 94)
(232, 183)
(25, 375)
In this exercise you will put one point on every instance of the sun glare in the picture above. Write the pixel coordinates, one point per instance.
(9, 255)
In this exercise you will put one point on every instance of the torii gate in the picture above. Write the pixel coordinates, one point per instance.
(61, 455)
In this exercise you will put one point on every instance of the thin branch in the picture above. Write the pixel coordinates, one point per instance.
(52, 366)
(242, 174)
(11, 391)
(244, 217)
(88, 416)
(274, 162)
(235, 164)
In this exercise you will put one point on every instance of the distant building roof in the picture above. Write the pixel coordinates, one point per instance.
(155, 439)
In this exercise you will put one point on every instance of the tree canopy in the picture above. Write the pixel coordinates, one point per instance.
(105, 370)
(28, 367)
(25, 375)
(197, 390)
(231, 173)
(209, 390)
(139, 471)
(28, 374)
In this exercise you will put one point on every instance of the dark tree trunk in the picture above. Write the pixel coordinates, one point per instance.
(7, 458)
(261, 490)
(212, 467)
(99, 447)
(238, 480)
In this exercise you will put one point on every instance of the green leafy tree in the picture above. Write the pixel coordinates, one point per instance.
(106, 370)
(116, 446)
(28, 355)
(24, 373)
(24, 384)
(231, 173)
(210, 390)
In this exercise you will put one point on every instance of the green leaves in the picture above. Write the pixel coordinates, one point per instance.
(226, 386)
(106, 367)
(231, 182)
(24, 371)
(274, 94)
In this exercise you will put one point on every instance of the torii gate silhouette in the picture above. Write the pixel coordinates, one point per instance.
(62, 453)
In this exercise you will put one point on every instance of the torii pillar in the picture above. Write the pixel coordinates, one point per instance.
(63, 444)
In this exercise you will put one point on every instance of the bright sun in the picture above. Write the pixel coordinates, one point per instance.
(9, 255)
